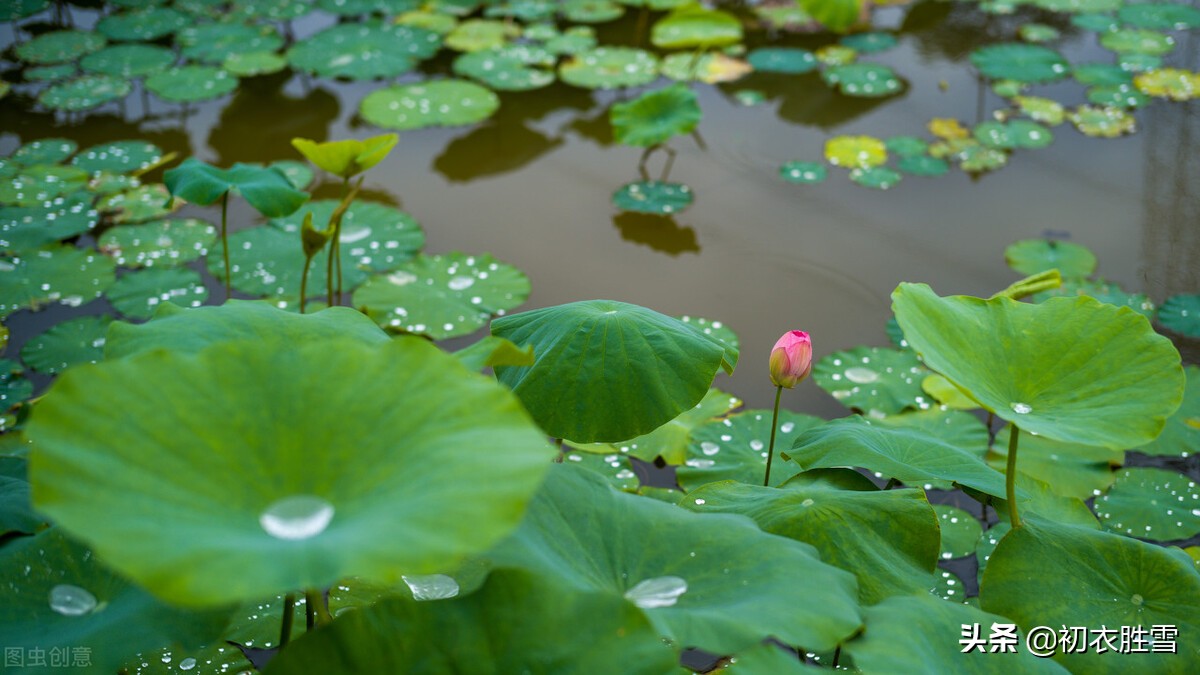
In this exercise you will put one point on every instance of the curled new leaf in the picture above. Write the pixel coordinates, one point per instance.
(349, 157)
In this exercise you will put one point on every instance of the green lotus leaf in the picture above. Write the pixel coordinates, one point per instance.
(1100, 73)
(118, 157)
(163, 243)
(836, 15)
(591, 11)
(580, 530)
(508, 68)
(670, 441)
(655, 116)
(443, 296)
(949, 586)
(490, 351)
(63, 274)
(652, 196)
(958, 429)
(16, 514)
(27, 228)
(922, 165)
(84, 93)
(191, 330)
(273, 10)
(142, 25)
(1048, 574)
(128, 61)
(41, 185)
(1153, 504)
(920, 634)
(1118, 96)
(475, 35)
(360, 7)
(574, 40)
(1021, 62)
(869, 42)
(1097, 23)
(1172, 83)
(735, 448)
(434, 22)
(254, 63)
(549, 626)
(536, 13)
(615, 468)
(138, 295)
(1070, 469)
(1160, 16)
(855, 151)
(1181, 435)
(67, 600)
(188, 84)
(54, 73)
(1045, 110)
(994, 135)
(906, 146)
(609, 68)
(370, 51)
(44, 151)
(694, 27)
(960, 531)
(268, 262)
(1040, 500)
(1038, 32)
(877, 177)
(1008, 88)
(767, 658)
(429, 104)
(19, 9)
(1027, 134)
(266, 189)
(1078, 6)
(67, 344)
(299, 174)
(1031, 256)
(873, 380)
(803, 173)
(200, 9)
(908, 454)
(60, 46)
(15, 388)
(863, 79)
(1138, 41)
(709, 68)
(887, 538)
(286, 511)
(139, 204)
(836, 55)
(1139, 63)
(945, 393)
(348, 157)
(107, 183)
(212, 43)
(1181, 314)
(789, 60)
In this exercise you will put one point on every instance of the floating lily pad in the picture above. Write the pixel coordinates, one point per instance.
(944, 392)
(574, 40)
(478, 34)
(804, 173)
(67, 344)
(906, 146)
(84, 93)
(874, 380)
(60, 46)
(147, 202)
(710, 68)
(273, 10)
(268, 262)
(507, 69)
(877, 177)
(835, 55)
(429, 104)
(609, 68)
(303, 527)
(118, 157)
(580, 529)
(1134, 62)
(1008, 88)
(1097, 23)
(191, 83)
(41, 185)
(735, 448)
(670, 441)
(1104, 292)
(789, 60)
(922, 165)
(163, 243)
(251, 64)
(869, 42)
(960, 531)
(583, 399)
(851, 152)
(653, 196)
(1031, 256)
(1120, 96)
(592, 11)
(128, 61)
(616, 469)
(994, 135)
(25, 228)
(14, 387)
(63, 274)
(1069, 469)
(1153, 504)
(863, 79)
(1050, 386)
(976, 158)
(373, 236)
(1138, 41)
(1039, 32)
(1077, 6)
(1160, 16)
(1105, 122)
(138, 295)
(655, 116)
(443, 296)
(694, 27)
(1181, 436)
(360, 7)
(949, 586)
(1045, 110)
(212, 43)
(1021, 62)
(19, 9)
(53, 73)
(142, 25)
(1181, 314)
(363, 51)
(1172, 83)
(948, 128)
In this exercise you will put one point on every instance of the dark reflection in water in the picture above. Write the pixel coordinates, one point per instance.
(492, 149)
(660, 233)
(951, 30)
(595, 128)
(261, 120)
(22, 118)
(806, 100)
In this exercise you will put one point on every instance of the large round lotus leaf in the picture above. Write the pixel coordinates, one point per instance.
(373, 236)
(144, 25)
(1105, 122)
(190, 330)
(84, 93)
(1076, 370)
(41, 185)
(595, 358)
(958, 429)
(139, 204)
(1181, 314)
(921, 633)
(118, 157)
(63, 274)
(874, 380)
(138, 295)
(709, 68)
(1031, 256)
(960, 531)
(1120, 96)
(1139, 63)
(694, 27)
(574, 40)
(1078, 6)
(655, 116)
(369, 51)
(1070, 469)
(67, 344)
(581, 530)
(1164, 16)
(1020, 62)
(1137, 41)
(128, 61)
(254, 63)
(56, 592)
(1100, 73)
(1151, 504)
(14, 387)
(508, 69)
(1172, 83)
(547, 626)
(275, 10)
(298, 498)
(870, 80)
(443, 296)
(267, 189)
(60, 46)
(1045, 110)
(24, 228)
(591, 11)
(803, 173)
(791, 60)
(429, 104)
(212, 43)
(54, 73)
(44, 151)
(269, 262)
(887, 538)
(653, 196)
(869, 42)
(1039, 32)
(908, 454)
(735, 448)
(855, 151)
(718, 331)
(670, 441)
(610, 68)
(922, 165)
(19, 9)
(478, 34)
(1181, 435)
(1102, 290)
(191, 83)
(615, 468)
(163, 243)
(877, 177)
(1048, 574)
(360, 7)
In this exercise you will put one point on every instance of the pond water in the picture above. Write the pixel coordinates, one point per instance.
(532, 186)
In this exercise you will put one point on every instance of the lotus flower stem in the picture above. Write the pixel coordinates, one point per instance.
(225, 244)
(337, 240)
(1010, 477)
(304, 282)
(639, 32)
(315, 601)
(289, 606)
(774, 425)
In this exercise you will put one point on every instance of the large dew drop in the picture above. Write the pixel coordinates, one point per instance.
(657, 592)
(71, 600)
(1022, 408)
(861, 375)
(431, 586)
(296, 517)
(461, 283)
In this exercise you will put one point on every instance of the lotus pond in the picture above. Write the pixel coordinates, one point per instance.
(477, 400)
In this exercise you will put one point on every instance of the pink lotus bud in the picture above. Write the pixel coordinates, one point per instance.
(791, 359)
